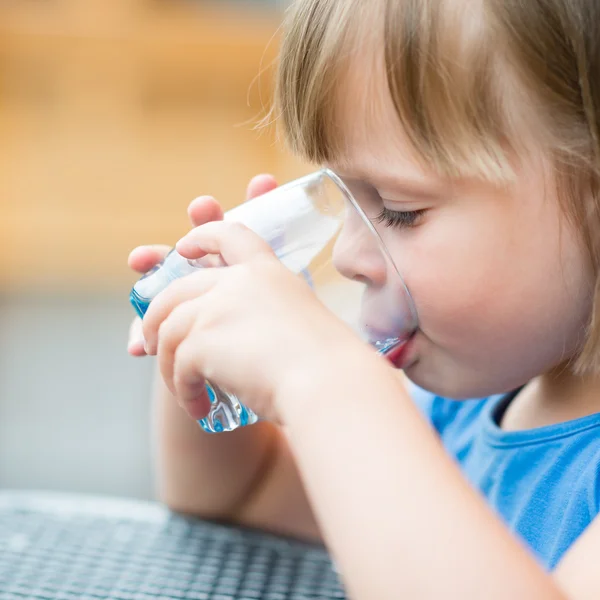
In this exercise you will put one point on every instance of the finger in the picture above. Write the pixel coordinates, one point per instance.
(259, 185)
(135, 345)
(198, 407)
(179, 291)
(203, 210)
(189, 382)
(143, 258)
(233, 241)
(210, 261)
(172, 331)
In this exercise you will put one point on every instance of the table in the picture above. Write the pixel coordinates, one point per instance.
(76, 547)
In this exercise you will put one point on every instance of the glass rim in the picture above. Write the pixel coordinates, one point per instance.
(339, 182)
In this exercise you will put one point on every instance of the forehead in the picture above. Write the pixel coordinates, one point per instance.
(375, 148)
(372, 142)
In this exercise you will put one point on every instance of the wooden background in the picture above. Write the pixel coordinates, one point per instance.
(114, 114)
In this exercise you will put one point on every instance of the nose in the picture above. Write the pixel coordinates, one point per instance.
(357, 254)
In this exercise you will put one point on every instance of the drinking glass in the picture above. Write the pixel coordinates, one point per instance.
(315, 226)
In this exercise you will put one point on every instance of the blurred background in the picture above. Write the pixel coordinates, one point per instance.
(114, 114)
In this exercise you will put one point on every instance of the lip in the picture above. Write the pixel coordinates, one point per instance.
(403, 355)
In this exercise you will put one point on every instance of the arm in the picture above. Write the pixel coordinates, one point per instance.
(578, 573)
(247, 476)
(398, 516)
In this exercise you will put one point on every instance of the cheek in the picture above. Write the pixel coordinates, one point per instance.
(497, 304)
(456, 274)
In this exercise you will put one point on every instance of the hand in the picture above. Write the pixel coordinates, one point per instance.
(200, 211)
(248, 327)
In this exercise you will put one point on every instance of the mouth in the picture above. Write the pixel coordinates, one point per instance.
(402, 355)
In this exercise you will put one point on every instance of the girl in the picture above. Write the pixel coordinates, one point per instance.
(470, 132)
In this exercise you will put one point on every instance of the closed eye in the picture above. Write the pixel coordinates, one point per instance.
(400, 219)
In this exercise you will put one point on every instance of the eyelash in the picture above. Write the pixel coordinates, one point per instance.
(399, 219)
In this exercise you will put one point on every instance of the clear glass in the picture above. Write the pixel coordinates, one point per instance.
(319, 231)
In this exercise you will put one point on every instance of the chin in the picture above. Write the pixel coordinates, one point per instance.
(449, 385)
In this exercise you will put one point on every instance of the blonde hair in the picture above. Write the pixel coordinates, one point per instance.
(467, 78)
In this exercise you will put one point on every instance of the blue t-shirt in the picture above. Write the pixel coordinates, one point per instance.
(544, 483)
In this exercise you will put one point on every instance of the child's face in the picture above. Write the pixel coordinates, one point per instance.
(500, 281)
